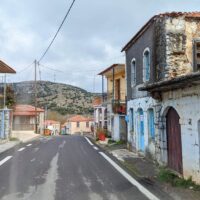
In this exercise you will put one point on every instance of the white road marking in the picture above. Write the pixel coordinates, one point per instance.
(32, 160)
(89, 141)
(28, 145)
(5, 160)
(142, 189)
(96, 148)
(21, 149)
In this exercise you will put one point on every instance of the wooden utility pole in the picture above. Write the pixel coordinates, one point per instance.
(4, 96)
(35, 88)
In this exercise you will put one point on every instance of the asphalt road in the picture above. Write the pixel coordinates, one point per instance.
(62, 168)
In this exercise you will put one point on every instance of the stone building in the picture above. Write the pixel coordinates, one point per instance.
(163, 91)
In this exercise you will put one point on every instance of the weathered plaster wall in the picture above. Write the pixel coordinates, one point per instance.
(136, 51)
(133, 137)
(187, 103)
(160, 49)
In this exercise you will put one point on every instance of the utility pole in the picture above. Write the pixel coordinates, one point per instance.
(35, 95)
(4, 96)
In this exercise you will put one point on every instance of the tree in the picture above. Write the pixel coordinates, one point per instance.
(10, 97)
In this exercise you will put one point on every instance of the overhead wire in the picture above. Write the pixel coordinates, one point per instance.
(65, 17)
(27, 67)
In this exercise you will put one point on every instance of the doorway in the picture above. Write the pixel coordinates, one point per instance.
(174, 144)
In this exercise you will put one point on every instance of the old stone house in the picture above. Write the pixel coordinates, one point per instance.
(163, 91)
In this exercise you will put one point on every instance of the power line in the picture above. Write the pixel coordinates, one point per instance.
(43, 55)
(50, 68)
(26, 68)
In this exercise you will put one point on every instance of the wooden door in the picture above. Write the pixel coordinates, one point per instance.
(117, 89)
(174, 145)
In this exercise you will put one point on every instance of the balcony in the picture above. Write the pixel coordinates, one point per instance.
(119, 107)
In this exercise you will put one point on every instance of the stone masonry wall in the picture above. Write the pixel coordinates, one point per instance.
(174, 46)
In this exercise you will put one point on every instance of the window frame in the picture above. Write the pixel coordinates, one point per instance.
(145, 78)
(195, 41)
(133, 72)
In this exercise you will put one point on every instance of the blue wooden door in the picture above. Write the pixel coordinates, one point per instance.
(141, 130)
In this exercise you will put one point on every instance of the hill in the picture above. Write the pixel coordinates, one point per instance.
(63, 98)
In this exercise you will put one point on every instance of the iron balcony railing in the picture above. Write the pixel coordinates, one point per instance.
(119, 107)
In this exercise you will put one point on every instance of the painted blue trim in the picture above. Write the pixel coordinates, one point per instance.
(151, 124)
(141, 129)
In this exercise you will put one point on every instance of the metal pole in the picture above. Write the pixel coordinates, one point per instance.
(113, 77)
(102, 88)
(4, 96)
(35, 96)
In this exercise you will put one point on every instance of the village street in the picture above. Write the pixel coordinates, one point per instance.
(65, 167)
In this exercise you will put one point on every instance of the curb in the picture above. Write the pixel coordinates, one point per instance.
(18, 143)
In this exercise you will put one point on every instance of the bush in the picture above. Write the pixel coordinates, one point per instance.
(110, 141)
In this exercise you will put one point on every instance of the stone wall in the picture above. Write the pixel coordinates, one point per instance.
(174, 46)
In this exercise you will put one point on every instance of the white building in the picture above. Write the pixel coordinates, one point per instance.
(163, 91)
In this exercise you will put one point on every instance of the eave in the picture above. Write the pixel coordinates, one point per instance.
(172, 84)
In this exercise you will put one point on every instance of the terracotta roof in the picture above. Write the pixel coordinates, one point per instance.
(50, 122)
(4, 68)
(97, 101)
(111, 67)
(79, 118)
(26, 110)
(167, 14)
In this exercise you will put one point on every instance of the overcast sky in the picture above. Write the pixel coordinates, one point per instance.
(90, 40)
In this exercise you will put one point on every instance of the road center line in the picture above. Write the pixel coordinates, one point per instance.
(28, 145)
(5, 160)
(96, 148)
(89, 141)
(21, 149)
(140, 187)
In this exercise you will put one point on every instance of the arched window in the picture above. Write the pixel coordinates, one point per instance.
(133, 72)
(146, 65)
(151, 128)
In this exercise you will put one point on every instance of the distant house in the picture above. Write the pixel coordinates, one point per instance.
(53, 126)
(5, 114)
(78, 124)
(114, 100)
(100, 114)
(24, 119)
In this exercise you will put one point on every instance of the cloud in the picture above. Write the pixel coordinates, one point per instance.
(90, 40)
